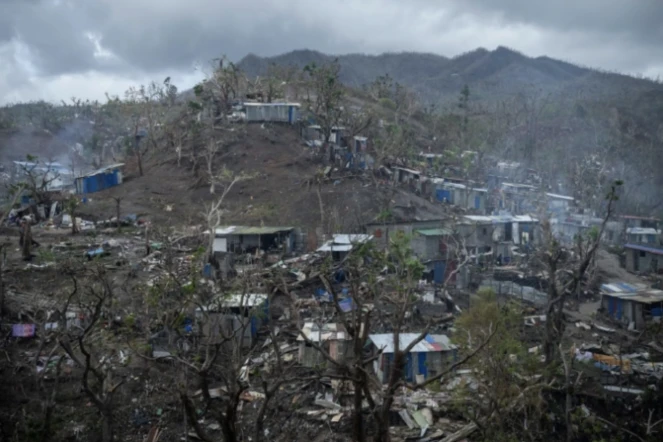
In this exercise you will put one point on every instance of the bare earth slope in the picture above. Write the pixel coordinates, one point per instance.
(278, 195)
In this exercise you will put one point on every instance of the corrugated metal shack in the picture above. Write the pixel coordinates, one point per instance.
(101, 179)
(633, 305)
(342, 244)
(427, 358)
(55, 175)
(237, 314)
(333, 338)
(460, 195)
(272, 112)
(244, 239)
(644, 258)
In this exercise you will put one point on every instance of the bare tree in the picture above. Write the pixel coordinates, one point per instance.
(224, 84)
(566, 275)
(98, 379)
(36, 177)
(148, 107)
(70, 206)
(326, 103)
(395, 291)
(214, 212)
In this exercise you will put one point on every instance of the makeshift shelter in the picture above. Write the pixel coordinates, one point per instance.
(342, 244)
(237, 315)
(246, 239)
(100, 179)
(633, 305)
(332, 338)
(427, 358)
(272, 112)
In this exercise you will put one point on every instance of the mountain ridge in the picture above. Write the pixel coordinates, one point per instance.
(436, 78)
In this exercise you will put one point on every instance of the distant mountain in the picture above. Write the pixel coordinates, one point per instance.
(490, 74)
(554, 116)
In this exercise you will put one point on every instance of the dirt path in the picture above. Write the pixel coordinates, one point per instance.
(609, 267)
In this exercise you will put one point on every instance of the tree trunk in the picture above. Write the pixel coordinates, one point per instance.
(260, 419)
(357, 417)
(107, 426)
(190, 412)
(322, 207)
(46, 429)
(228, 423)
(3, 253)
(148, 249)
(27, 241)
(117, 212)
(395, 377)
(74, 227)
(139, 158)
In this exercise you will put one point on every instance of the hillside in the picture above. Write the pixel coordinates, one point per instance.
(490, 74)
(532, 110)
(277, 195)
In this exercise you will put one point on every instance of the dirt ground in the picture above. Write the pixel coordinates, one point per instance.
(279, 193)
(608, 264)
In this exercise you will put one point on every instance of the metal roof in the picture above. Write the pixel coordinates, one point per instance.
(621, 287)
(353, 238)
(479, 218)
(650, 296)
(248, 230)
(561, 197)
(497, 219)
(461, 186)
(334, 128)
(236, 300)
(344, 242)
(249, 103)
(385, 341)
(102, 170)
(654, 250)
(632, 292)
(329, 246)
(645, 218)
(412, 171)
(434, 232)
(642, 231)
(47, 167)
(325, 332)
(519, 186)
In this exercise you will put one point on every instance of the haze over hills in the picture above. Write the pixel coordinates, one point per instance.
(490, 74)
(534, 110)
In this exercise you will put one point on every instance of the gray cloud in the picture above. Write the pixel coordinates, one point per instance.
(641, 20)
(44, 43)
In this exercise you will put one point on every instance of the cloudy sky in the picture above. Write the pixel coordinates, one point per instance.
(56, 49)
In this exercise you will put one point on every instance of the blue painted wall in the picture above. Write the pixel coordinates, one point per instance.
(438, 271)
(423, 369)
(98, 182)
(443, 194)
(408, 367)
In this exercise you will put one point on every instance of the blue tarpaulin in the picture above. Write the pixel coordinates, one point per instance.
(346, 305)
(95, 252)
(323, 295)
(207, 270)
(443, 195)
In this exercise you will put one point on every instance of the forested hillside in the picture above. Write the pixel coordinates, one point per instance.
(577, 126)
